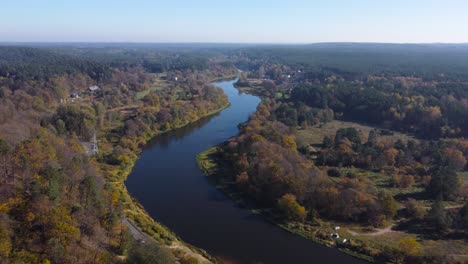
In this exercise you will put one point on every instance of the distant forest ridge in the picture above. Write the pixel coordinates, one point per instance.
(425, 60)
(430, 61)
(43, 62)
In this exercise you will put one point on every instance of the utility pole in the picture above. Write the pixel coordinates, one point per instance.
(94, 148)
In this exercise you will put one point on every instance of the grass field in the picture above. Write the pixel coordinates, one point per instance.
(381, 181)
(142, 94)
(314, 134)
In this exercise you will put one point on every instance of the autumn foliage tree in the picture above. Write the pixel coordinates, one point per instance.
(409, 247)
(291, 209)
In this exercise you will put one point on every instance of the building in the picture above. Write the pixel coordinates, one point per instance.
(91, 148)
(94, 146)
(93, 88)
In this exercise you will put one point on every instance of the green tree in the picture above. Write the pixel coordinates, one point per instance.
(350, 133)
(327, 142)
(444, 184)
(372, 138)
(55, 178)
(389, 205)
(438, 217)
(91, 195)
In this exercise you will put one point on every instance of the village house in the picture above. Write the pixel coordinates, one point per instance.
(93, 88)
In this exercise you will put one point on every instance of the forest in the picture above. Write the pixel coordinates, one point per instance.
(403, 177)
(370, 137)
(59, 203)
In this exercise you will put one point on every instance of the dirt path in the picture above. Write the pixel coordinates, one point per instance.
(122, 108)
(133, 230)
(380, 231)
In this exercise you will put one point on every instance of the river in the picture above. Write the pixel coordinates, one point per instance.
(168, 183)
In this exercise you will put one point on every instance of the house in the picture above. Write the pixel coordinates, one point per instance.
(93, 88)
(94, 146)
(91, 147)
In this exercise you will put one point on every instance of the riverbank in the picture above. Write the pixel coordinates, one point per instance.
(217, 170)
(388, 241)
(173, 189)
(136, 213)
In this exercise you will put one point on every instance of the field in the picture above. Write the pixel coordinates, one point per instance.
(313, 135)
(142, 94)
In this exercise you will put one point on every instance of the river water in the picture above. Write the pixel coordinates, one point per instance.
(168, 183)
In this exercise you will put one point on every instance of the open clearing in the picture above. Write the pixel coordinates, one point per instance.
(313, 135)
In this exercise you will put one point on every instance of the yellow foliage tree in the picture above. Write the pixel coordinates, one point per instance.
(290, 143)
(5, 241)
(62, 226)
(410, 247)
(291, 208)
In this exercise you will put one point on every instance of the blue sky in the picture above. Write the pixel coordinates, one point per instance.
(254, 21)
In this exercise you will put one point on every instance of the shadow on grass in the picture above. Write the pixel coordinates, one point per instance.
(427, 231)
(422, 195)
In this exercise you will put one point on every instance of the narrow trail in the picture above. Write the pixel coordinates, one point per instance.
(123, 108)
(380, 231)
(139, 236)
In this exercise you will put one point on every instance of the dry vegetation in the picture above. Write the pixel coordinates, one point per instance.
(314, 135)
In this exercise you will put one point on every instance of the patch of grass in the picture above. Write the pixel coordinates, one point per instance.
(142, 94)
(313, 135)
(450, 247)
(206, 160)
(381, 181)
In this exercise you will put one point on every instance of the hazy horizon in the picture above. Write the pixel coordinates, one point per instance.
(228, 43)
(239, 22)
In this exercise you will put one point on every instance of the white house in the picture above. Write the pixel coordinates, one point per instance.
(93, 88)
